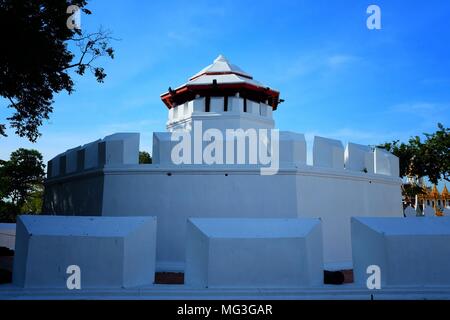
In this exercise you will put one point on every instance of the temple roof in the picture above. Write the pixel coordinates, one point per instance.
(445, 191)
(221, 77)
(434, 192)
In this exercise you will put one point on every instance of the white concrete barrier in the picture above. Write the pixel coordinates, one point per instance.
(111, 252)
(254, 253)
(409, 252)
(8, 235)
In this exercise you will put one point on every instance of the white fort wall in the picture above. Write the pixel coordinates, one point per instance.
(83, 194)
(118, 186)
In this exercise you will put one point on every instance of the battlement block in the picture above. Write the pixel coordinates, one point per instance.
(328, 153)
(386, 163)
(292, 148)
(119, 148)
(72, 160)
(359, 158)
(162, 148)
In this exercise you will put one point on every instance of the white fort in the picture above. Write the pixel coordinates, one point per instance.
(238, 226)
(104, 178)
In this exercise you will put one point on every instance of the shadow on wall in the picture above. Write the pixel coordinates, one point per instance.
(83, 196)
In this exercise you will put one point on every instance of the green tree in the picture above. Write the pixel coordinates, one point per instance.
(144, 157)
(36, 58)
(424, 158)
(21, 183)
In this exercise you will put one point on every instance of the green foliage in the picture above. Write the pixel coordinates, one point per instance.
(144, 157)
(33, 203)
(21, 183)
(35, 59)
(8, 212)
(410, 190)
(428, 158)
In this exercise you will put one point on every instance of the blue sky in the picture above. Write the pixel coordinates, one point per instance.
(338, 78)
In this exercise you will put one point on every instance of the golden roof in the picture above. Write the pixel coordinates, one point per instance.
(445, 193)
(434, 192)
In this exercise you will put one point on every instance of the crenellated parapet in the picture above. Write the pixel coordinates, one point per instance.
(330, 153)
(115, 149)
(327, 154)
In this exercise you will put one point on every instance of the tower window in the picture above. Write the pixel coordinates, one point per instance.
(225, 103)
(245, 104)
(207, 103)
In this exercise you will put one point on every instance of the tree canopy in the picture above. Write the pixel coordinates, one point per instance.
(424, 158)
(144, 157)
(21, 183)
(35, 59)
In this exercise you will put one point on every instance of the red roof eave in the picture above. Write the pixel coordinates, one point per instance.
(167, 97)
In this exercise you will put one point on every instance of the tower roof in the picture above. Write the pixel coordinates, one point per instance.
(218, 79)
(221, 66)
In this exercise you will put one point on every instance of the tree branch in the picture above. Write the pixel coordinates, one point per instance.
(12, 102)
(96, 46)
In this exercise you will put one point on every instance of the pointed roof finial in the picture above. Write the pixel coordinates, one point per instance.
(221, 58)
(221, 66)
